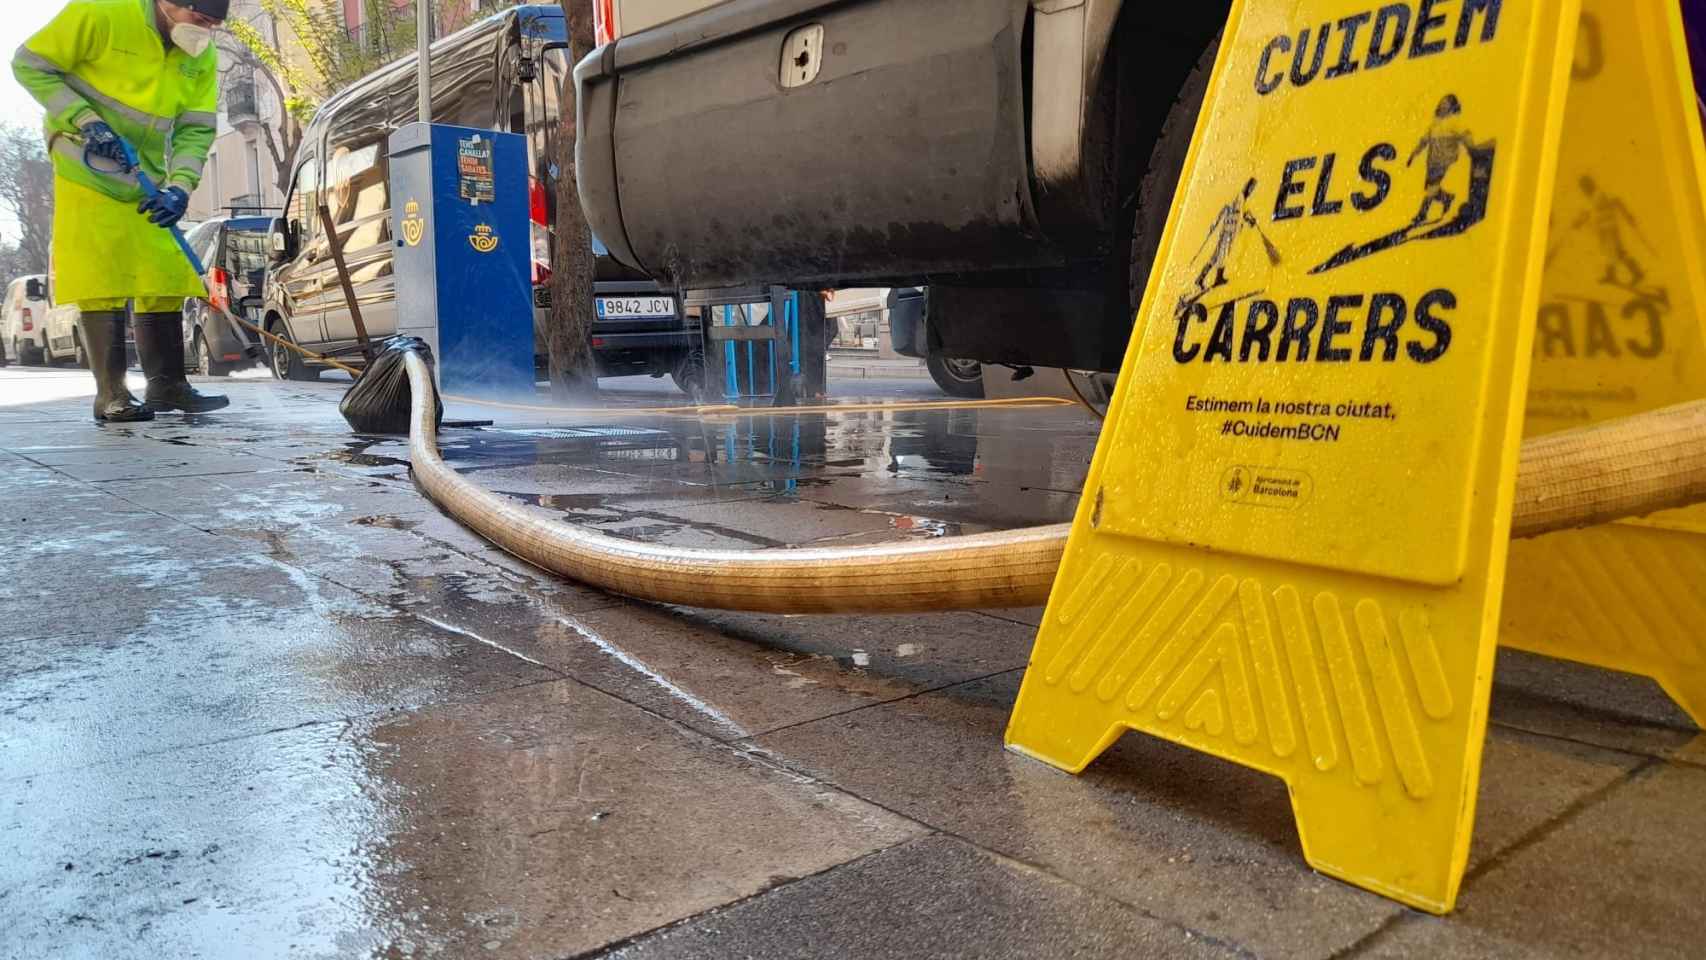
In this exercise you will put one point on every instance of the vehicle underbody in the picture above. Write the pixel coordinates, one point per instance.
(956, 160)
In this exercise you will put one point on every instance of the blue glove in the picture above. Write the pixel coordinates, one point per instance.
(99, 140)
(167, 207)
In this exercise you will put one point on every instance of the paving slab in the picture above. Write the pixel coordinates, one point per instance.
(1203, 843)
(934, 897)
(117, 572)
(104, 466)
(1573, 701)
(206, 665)
(542, 823)
(1620, 878)
(41, 504)
(736, 675)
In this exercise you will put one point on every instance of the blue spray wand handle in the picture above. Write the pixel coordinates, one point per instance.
(152, 190)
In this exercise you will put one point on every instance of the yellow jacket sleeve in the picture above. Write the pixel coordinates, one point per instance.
(194, 130)
(42, 64)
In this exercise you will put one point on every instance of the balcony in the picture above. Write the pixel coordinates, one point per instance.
(239, 98)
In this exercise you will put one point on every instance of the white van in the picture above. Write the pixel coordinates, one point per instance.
(23, 325)
(63, 339)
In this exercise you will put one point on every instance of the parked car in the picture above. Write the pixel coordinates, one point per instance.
(1020, 157)
(23, 328)
(503, 73)
(236, 252)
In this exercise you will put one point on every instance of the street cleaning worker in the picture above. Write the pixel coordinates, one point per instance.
(146, 71)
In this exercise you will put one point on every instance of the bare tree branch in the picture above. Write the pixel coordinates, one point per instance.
(26, 195)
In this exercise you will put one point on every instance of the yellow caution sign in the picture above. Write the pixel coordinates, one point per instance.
(1619, 333)
(1291, 547)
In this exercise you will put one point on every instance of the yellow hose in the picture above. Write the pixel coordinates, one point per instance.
(1623, 468)
(1581, 477)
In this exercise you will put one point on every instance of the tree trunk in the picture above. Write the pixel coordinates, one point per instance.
(570, 322)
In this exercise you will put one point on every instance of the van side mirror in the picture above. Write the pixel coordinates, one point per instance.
(35, 289)
(283, 239)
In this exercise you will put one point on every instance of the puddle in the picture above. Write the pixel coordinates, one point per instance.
(925, 528)
(596, 510)
(565, 502)
(355, 453)
(388, 523)
(273, 540)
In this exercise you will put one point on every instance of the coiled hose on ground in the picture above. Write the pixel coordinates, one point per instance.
(1576, 478)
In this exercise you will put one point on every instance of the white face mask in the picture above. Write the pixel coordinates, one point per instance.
(191, 38)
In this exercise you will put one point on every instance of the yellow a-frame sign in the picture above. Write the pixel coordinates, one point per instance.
(1619, 333)
(1291, 551)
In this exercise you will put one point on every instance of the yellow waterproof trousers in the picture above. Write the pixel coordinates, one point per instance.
(105, 254)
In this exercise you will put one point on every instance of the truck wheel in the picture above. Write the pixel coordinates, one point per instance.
(287, 364)
(689, 375)
(1166, 166)
(958, 378)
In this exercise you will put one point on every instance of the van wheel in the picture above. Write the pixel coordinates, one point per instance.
(81, 355)
(287, 364)
(957, 378)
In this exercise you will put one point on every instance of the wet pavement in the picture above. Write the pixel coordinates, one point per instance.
(259, 698)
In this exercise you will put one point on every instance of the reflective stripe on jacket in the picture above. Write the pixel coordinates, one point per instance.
(107, 59)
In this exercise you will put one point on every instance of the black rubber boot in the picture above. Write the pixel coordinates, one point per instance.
(103, 343)
(160, 348)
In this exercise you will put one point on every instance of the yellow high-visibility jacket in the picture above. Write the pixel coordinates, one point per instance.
(106, 59)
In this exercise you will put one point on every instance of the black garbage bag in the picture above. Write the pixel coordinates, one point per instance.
(380, 401)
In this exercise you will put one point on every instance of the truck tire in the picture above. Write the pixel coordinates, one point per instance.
(1166, 167)
(689, 375)
(957, 378)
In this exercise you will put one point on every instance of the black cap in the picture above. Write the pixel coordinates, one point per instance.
(217, 9)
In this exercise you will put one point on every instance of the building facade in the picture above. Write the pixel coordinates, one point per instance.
(241, 175)
(244, 166)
